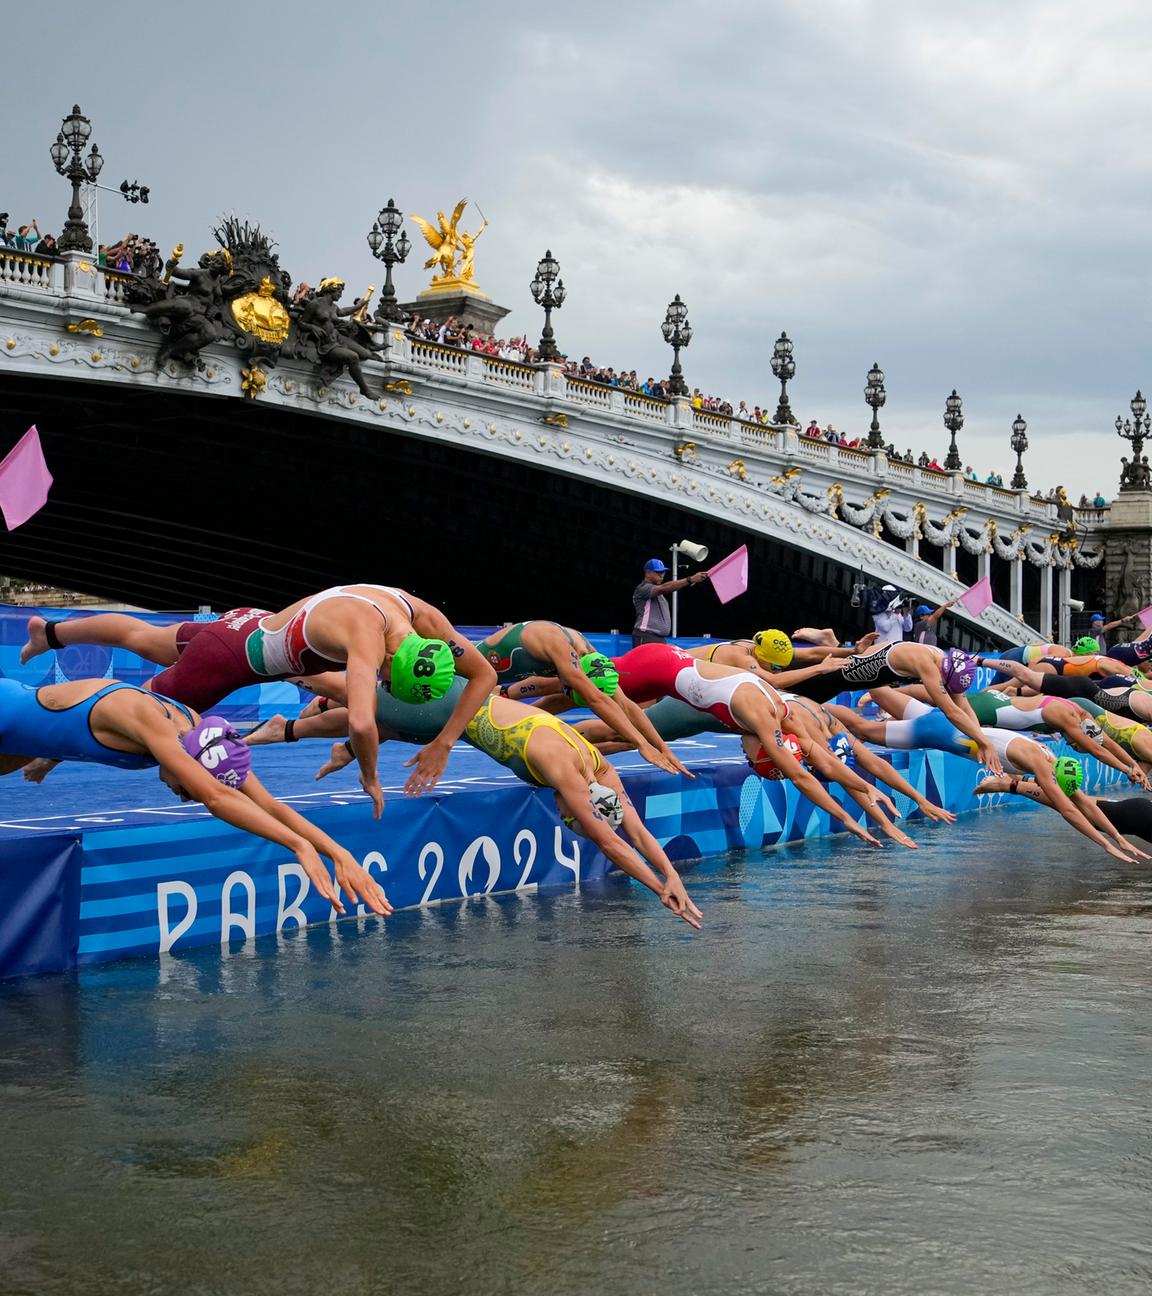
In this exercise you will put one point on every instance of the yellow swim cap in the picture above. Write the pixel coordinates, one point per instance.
(772, 647)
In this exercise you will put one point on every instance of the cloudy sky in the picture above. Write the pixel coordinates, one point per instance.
(959, 191)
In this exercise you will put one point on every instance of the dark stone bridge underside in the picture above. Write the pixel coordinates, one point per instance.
(168, 500)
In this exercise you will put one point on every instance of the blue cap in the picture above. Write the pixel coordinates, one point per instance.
(1096, 616)
(654, 564)
(923, 610)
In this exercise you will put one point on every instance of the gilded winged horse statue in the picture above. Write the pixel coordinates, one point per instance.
(445, 242)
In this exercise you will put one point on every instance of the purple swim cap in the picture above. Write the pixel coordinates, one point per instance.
(957, 670)
(217, 746)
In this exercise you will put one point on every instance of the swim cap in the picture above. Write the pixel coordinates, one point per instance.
(1085, 645)
(422, 669)
(217, 746)
(957, 670)
(840, 745)
(1090, 729)
(923, 610)
(772, 648)
(607, 804)
(765, 768)
(1069, 774)
(601, 672)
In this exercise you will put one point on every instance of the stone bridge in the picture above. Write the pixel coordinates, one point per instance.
(501, 489)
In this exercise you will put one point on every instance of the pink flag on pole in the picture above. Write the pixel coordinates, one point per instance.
(24, 480)
(978, 598)
(730, 575)
(1145, 615)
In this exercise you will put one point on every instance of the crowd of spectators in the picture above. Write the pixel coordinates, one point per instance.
(26, 238)
(134, 254)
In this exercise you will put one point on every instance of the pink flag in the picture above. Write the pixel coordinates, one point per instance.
(24, 480)
(730, 575)
(978, 598)
(1145, 615)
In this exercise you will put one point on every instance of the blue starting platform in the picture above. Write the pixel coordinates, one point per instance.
(99, 864)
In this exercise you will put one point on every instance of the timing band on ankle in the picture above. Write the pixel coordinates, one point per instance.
(50, 635)
(348, 746)
(290, 731)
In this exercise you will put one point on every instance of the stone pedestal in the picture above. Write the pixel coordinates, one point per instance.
(1128, 554)
(457, 299)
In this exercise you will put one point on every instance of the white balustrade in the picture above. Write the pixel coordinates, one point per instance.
(587, 393)
(431, 355)
(645, 407)
(509, 373)
(761, 437)
(27, 270)
(855, 461)
(810, 448)
(715, 424)
(112, 283)
(976, 490)
(901, 471)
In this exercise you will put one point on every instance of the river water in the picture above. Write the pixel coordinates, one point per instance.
(884, 1072)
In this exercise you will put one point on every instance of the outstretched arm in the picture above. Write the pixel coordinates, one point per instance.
(881, 769)
(430, 760)
(957, 708)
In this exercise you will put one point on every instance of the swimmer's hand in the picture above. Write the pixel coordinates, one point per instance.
(429, 761)
(858, 830)
(866, 641)
(376, 792)
(358, 884)
(673, 896)
(936, 813)
(339, 758)
(990, 758)
(1119, 854)
(885, 802)
(38, 770)
(663, 759)
(317, 874)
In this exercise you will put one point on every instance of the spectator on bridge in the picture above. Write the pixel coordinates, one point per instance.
(47, 245)
(653, 622)
(970, 473)
(812, 430)
(24, 241)
(923, 461)
(933, 466)
(1099, 502)
(6, 235)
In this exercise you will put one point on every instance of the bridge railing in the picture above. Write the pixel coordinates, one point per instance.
(79, 281)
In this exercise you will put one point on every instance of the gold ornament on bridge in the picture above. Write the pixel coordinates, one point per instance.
(453, 250)
(260, 314)
(85, 326)
(555, 420)
(253, 381)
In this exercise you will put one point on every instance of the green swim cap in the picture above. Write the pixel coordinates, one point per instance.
(1069, 774)
(601, 672)
(422, 669)
(1085, 645)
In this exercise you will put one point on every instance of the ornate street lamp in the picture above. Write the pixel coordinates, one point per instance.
(784, 368)
(677, 333)
(1019, 444)
(876, 396)
(392, 251)
(66, 157)
(551, 298)
(1133, 475)
(953, 421)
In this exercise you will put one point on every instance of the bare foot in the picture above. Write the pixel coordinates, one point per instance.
(271, 731)
(339, 758)
(37, 641)
(38, 770)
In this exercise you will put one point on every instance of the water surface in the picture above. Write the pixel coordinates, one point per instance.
(885, 1072)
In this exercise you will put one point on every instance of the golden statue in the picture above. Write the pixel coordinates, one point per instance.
(453, 250)
(261, 314)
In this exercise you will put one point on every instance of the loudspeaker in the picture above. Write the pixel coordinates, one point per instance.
(697, 552)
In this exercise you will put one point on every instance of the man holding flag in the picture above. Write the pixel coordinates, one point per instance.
(653, 623)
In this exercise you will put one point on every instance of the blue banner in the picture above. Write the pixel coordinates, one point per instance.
(39, 906)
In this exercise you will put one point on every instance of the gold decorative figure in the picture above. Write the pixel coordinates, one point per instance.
(444, 242)
(453, 251)
(261, 314)
(85, 326)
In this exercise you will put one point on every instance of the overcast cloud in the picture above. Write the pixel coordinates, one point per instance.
(958, 191)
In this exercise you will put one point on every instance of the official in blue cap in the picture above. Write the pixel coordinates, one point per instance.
(653, 622)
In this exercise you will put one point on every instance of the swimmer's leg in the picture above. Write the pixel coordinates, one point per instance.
(112, 629)
(37, 771)
(826, 637)
(10, 764)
